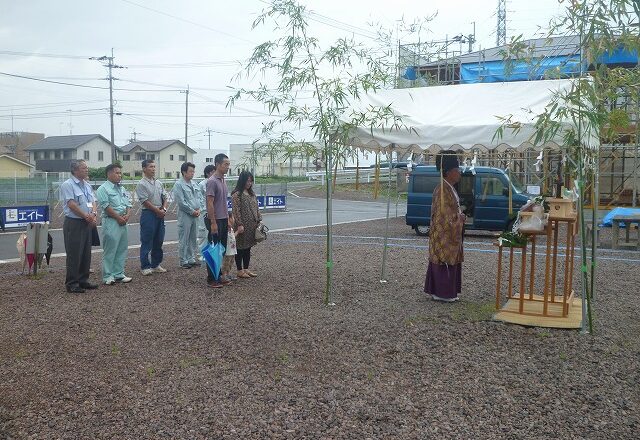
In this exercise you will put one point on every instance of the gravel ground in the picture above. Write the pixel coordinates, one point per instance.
(165, 357)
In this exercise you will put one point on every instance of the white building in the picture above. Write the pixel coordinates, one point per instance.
(203, 157)
(257, 157)
(55, 153)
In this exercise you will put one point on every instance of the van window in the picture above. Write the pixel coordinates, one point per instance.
(491, 186)
(425, 183)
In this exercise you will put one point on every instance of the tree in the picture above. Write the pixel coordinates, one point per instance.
(299, 65)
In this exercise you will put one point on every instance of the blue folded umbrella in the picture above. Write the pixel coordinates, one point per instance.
(213, 256)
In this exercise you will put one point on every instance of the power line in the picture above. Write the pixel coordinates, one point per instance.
(43, 55)
(189, 21)
(52, 82)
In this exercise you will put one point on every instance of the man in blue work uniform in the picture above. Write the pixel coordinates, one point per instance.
(186, 197)
(79, 220)
(116, 206)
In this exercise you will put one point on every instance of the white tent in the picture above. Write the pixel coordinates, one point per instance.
(459, 116)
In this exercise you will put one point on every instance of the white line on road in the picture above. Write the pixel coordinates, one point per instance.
(137, 246)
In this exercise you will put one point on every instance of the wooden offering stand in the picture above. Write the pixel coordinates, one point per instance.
(552, 307)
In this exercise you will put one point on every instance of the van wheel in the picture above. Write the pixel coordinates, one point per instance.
(422, 231)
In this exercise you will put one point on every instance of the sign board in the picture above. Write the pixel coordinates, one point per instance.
(533, 189)
(269, 202)
(19, 216)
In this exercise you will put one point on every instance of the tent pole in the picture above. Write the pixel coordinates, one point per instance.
(383, 276)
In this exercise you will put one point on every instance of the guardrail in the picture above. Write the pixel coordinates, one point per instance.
(366, 175)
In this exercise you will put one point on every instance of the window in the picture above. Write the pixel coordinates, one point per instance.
(126, 157)
(424, 183)
(151, 156)
(491, 186)
(168, 174)
(171, 157)
(46, 154)
(58, 154)
(208, 159)
(86, 155)
(141, 156)
(177, 174)
(138, 173)
(181, 158)
(67, 154)
(100, 156)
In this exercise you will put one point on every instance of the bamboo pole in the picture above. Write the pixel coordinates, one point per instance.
(499, 278)
(383, 276)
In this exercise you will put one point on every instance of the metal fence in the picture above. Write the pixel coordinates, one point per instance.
(44, 189)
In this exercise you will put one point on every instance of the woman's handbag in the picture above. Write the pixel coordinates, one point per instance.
(261, 232)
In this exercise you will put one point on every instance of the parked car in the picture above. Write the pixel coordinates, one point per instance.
(484, 198)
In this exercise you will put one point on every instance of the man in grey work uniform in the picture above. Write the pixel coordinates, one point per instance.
(153, 198)
(79, 220)
(217, 221)
(186, 197)
(202, 193)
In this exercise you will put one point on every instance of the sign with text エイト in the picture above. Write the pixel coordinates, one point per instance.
(15, 217)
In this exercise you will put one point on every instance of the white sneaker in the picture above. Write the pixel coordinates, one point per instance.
(159, 269)
(146, 271)
(110, 282)
(124, 279)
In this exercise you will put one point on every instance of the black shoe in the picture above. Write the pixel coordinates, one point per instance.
(186, 266)
(195, 264)
(75, 289)
(88, 286)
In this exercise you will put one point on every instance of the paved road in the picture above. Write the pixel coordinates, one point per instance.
(301, 212)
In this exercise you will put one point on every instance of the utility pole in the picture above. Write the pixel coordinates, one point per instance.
(472, 37)
(70, 123)
(133, 136)
(501, 30)
(110, 65)
(186, 120)
(209, 134)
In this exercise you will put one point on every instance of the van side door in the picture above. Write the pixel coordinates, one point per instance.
(420, 196)
(492, 205)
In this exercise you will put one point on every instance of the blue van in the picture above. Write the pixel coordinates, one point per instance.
(484, 198)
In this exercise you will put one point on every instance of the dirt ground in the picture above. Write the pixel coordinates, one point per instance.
(167, 357)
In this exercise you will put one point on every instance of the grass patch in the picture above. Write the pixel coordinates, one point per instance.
(191, 362)
(283, 358)
(115, 350)
(474, 312)
(21, 354)
(412, 321)
(150, 371)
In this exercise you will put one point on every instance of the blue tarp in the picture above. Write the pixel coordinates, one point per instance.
(619, 56)
(607, 220)
(565, 66)
(494, 71)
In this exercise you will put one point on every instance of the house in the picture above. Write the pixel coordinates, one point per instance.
(12, 167)
(55, 153)
(15, 143)
(167, 154)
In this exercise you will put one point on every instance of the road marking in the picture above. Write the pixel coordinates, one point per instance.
(294, 194)
(137, 246)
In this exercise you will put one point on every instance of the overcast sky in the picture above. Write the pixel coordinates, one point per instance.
(201, 43)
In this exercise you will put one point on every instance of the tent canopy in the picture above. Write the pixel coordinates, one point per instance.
(462, 116)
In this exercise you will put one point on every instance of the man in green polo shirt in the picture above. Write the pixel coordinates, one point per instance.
(116, 206)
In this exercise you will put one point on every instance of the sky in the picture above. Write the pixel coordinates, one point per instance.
(166, 46)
